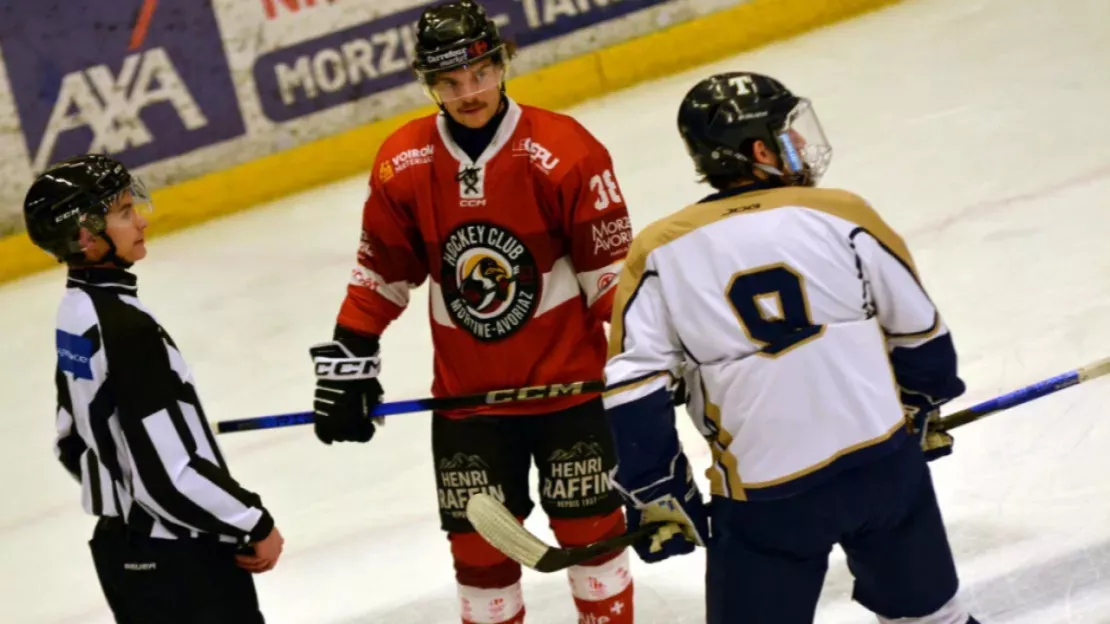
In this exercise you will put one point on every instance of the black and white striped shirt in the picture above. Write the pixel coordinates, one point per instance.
(131, 429)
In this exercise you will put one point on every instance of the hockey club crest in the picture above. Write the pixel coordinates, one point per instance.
(490, 280)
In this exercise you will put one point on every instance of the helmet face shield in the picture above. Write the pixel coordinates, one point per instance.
(466, 79)
(804, 149)
(140, 201)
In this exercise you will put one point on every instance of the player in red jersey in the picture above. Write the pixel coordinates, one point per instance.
(514, 217)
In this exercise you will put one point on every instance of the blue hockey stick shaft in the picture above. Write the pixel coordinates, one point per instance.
(956, 419)
(510, 395)
(1026, 394)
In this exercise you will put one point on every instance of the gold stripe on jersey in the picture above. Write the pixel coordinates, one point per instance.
(719, 444)
(839, 203)
(904, 423)
(835, 456)
(626, 387)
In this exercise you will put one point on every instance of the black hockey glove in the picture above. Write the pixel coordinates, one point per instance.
(347, 387)
(934, 442)
(922, 413)
(674, 499)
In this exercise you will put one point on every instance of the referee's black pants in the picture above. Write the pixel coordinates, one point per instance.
(148, 580)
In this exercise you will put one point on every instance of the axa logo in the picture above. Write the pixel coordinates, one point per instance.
(109, 105)
(146, 80)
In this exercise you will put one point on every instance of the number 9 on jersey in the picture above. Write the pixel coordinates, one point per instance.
(770, 303)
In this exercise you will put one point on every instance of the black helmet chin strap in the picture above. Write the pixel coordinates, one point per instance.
(112, 257)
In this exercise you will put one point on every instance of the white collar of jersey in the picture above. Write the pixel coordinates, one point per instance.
(500, 138)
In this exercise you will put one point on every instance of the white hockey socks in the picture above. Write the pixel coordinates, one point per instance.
(603, 593)
(503, 605)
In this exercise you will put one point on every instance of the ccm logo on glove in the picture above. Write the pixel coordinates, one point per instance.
(346, 369)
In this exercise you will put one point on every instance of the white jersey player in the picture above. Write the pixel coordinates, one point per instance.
(811, 356)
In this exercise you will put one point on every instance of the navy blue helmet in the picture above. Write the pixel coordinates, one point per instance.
(722, 116)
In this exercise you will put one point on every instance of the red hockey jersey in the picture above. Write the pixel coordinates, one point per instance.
(523, 247)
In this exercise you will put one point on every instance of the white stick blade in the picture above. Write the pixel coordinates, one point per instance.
(500, 528)
(1095, 369)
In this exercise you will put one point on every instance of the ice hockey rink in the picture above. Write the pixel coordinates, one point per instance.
(979, 128)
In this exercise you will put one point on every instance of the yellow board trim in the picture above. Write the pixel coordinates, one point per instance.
(731, 31)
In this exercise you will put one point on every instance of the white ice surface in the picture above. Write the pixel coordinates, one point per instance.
(979, 128)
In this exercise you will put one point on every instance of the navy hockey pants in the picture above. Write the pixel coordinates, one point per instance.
(766, 560)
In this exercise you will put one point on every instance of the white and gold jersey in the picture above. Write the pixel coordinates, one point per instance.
(795, 315)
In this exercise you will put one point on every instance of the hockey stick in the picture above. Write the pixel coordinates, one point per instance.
(500, 528)
(508, 395)
(1071, 378)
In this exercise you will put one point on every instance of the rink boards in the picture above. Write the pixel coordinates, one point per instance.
(224, 105)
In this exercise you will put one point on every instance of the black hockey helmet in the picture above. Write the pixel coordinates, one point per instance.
(724, 115)
(453, 35)
(72, 195)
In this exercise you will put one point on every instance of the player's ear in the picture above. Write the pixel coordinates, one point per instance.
(85, 238)
(763, 154)
(91, 243)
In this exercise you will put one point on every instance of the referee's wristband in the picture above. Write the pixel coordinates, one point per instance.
(262, 529)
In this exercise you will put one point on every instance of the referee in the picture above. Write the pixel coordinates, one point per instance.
(176, 537)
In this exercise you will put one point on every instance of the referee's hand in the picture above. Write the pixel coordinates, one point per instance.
(266, 554)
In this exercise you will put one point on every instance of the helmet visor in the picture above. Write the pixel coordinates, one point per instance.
(805, 150)
(468, 80)
(132, 200)
(141, 200)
